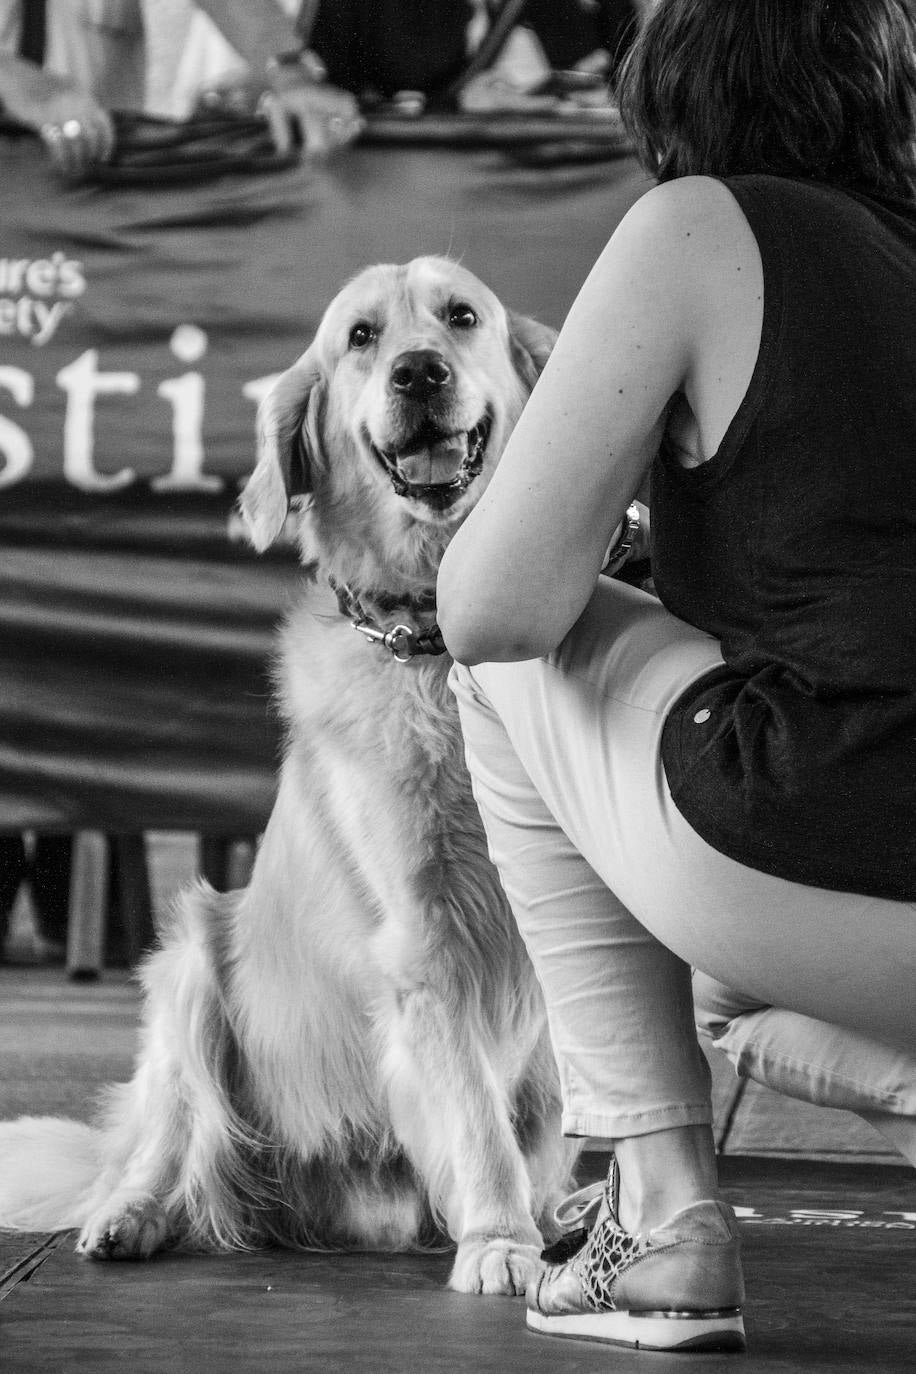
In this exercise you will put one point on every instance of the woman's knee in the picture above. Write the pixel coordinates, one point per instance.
(716, 1007)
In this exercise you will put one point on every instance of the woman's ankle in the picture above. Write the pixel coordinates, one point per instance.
(663, 1172)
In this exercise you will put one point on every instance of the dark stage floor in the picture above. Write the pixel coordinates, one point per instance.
(830, 1259)
(829, 1227)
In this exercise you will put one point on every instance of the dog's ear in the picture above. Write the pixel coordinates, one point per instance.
(530, 343)
(282, 468)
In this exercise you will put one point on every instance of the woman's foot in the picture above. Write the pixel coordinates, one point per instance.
(676, 1287)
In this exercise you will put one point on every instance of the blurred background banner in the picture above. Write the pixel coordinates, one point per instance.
(139, 326)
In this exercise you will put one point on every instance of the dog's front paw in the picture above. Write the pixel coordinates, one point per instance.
(128, 1229)
(494, 1265)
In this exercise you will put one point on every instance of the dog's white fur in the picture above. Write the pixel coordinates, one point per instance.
(351, 1052)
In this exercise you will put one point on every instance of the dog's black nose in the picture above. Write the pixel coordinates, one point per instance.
(420, 373)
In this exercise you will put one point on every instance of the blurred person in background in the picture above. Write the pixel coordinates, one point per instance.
(381, 48)
(65, 64)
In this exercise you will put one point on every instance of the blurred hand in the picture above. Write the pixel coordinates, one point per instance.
(325, 117)
(76, 131)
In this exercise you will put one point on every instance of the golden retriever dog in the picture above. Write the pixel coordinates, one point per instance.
(352, 1052)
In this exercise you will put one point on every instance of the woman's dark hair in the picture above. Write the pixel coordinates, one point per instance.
(820, 90)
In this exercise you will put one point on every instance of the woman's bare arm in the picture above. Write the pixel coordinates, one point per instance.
(520, 570)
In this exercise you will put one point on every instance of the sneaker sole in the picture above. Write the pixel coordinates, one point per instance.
(720, 1330)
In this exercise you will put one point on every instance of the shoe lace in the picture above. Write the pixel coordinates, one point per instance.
(578, 1209)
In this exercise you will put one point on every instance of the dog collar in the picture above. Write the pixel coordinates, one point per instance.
(402, 641)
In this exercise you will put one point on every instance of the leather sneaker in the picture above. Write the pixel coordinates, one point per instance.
(678, 1287)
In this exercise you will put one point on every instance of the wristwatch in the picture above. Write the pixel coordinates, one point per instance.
(302, 60)
(618, 552)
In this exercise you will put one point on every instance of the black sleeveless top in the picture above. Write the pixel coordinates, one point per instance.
(795, 546)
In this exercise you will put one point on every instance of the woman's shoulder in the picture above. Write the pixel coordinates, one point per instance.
(697, 215)
(689, 232)
(694, 202)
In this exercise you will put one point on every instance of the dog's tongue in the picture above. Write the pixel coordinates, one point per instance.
(433, 463)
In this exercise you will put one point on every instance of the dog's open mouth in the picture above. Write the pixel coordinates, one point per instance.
(434, 466)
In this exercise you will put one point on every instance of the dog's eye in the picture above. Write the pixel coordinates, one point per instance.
(461, 316)
(361, 334)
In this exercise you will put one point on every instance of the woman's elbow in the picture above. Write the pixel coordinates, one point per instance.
(481, 624)
(473, 639)
(458, 623)
(463, 639)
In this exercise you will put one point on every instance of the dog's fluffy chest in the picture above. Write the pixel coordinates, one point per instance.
(336, 685)
(376, 758)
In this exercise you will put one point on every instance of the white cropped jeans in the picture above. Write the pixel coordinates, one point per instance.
(810, 992)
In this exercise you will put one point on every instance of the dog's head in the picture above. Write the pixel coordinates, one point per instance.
(391, 424)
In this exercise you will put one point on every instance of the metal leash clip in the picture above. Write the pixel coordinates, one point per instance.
(398, 640)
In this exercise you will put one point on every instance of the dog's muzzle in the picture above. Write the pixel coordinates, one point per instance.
(460, 457)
